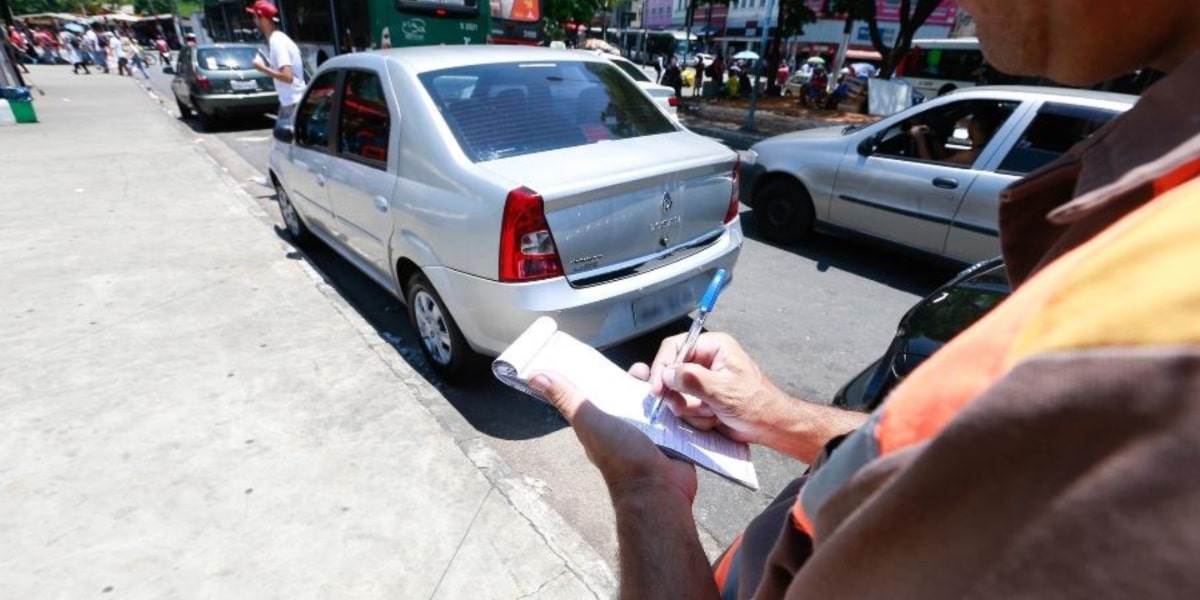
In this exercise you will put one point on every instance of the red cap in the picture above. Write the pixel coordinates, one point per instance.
(262, 8)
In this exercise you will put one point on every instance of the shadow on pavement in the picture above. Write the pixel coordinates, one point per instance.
(227, 124)
(889, 265)
(489, 406)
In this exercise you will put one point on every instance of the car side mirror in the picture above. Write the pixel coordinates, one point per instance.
(867, 147)
(285, 133)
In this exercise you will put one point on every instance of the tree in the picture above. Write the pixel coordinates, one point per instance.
(153, 7)
(913, 14)
(790, 20)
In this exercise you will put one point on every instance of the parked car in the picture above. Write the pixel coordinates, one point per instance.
(664, 96)
(487, 186)
(937, 196)
(927, 326)
(219, 80)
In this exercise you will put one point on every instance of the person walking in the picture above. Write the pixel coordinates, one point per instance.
(673, 78)
(1046, 450)
(657, 61)
(286, 67)
(698, 78)
(77, 54)
(91, 45)
(133, 52)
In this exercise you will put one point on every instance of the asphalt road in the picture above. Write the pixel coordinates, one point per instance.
(812, 315)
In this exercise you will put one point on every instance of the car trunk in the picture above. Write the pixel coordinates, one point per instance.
(238, 82)
(620, 208)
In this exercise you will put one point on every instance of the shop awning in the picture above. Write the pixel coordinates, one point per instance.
(867, 55)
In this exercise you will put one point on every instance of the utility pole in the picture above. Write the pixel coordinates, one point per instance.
(766, 29)
(6, 13)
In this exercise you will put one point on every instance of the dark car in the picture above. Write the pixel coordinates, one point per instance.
(219, 80)
(926, 327)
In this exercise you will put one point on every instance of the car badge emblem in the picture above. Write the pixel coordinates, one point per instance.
(667, 202)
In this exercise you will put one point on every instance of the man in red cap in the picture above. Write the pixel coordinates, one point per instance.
(286, 67)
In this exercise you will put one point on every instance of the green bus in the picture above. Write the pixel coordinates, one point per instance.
(324, 28)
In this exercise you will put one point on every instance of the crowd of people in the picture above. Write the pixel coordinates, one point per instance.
(111, 50)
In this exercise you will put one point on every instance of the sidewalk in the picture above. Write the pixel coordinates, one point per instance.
(186, 410)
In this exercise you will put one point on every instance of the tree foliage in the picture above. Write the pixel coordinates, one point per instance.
(913, 14)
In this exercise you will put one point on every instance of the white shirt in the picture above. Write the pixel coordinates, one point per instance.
(90, 40)
(285, 53)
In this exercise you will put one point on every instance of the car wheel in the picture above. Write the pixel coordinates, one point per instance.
(291, 218)
(441, 340)
(783, 211)
(184, 111)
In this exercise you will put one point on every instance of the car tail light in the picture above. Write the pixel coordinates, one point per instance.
(672, 101)
(527, 250)
(735, 194)
(203, 83)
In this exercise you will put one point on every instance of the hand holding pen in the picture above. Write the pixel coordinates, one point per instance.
(707, 303)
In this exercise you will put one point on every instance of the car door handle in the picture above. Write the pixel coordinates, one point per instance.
(946, 183)
(381, 204)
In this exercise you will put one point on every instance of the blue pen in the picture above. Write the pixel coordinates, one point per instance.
(707, 303)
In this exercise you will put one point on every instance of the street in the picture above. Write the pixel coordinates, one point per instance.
(812, 315)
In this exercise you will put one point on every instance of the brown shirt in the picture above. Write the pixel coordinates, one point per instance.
(1053, 449)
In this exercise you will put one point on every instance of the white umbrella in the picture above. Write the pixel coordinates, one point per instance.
(746, 55)
(815, 60)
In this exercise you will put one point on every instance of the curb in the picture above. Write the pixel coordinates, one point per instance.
(561, 538)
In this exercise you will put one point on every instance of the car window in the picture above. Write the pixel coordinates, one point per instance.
(1056, 128)
(365, 121)
(631, 70)
(953, 134)
(313, 116)
(511, 109)
(226, 59)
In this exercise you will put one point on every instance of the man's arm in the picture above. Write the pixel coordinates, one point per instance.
(652, 496)
(284, 73)
(660, 551)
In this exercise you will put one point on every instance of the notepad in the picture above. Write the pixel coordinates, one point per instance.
(543, 347)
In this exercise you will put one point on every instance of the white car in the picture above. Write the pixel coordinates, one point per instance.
(487, 186)
(920, 178)
(662, 95)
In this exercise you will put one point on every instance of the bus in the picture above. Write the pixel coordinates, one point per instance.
(938, 66)
(323, 29)
(517, 22)
(639, 45)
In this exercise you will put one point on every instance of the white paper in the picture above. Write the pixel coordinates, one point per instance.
(611, 389)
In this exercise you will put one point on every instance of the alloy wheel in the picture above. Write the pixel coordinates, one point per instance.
(431, 324)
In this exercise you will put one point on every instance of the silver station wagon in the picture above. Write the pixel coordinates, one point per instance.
(487, 186)
(928, 178)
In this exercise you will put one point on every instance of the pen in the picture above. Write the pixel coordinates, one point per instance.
(689, 343)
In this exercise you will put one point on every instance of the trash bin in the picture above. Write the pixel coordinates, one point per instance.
(20, 102)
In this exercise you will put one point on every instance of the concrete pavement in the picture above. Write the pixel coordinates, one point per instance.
(187, 410)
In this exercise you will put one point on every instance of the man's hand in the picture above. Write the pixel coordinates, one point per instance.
(260, 64)
(628, 460)
(722, 388)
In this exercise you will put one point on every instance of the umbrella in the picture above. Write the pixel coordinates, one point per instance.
(815, 60)
(74, 28)
(746, 55)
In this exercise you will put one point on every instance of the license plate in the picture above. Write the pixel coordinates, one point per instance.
(668, 304)
(244, 86)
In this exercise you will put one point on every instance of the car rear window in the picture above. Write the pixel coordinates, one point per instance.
(226, 59)
(511, 109)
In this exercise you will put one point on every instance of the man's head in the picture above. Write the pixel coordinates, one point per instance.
(264, 16)
(1080, 42)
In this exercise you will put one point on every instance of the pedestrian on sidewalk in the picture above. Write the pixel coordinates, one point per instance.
(134, 53)
(1045, 451)
(77, 54)
(673, 78)
(116, 52)
(657, 61)
(91, 45)
(12, 49)
(698, 79)
(286, 66)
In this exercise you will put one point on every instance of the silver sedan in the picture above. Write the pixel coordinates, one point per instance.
(486, 186)
(927, 178)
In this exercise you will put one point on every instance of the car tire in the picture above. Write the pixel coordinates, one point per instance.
(205, 119)
(439, 336)
(184, 111)
(292, 221)
(783, 211)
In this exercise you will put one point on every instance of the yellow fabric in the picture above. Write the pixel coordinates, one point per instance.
(1141, 286)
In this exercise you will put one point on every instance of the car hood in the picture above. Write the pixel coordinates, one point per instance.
(819, 133)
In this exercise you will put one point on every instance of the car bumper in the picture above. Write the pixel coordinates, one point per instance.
(242, 103)
(749, 175)
(492, 314)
